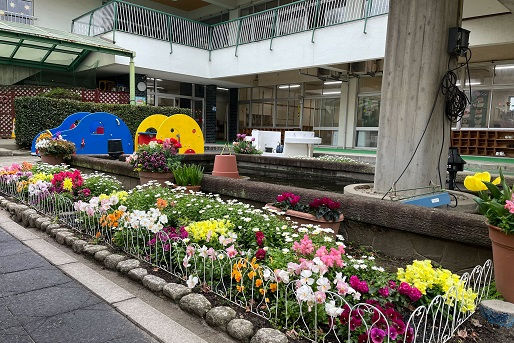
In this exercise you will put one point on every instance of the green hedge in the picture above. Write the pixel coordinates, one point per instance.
(35, 114)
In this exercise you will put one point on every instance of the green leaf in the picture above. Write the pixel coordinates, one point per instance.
(495, 192)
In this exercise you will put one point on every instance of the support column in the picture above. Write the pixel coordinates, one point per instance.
(233, 114)
(132, 81)
(343, 109)
(210, 114)
(415, 61)
(351, 113)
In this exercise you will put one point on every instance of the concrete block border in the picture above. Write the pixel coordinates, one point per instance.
(222, 318)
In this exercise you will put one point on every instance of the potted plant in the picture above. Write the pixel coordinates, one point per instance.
(243, 146)
(497, 205)
(225, 165)
(53, 149)
(189, 176)
(323, 212)
(156, 160)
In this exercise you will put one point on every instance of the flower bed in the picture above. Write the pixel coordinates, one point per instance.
(297, 276)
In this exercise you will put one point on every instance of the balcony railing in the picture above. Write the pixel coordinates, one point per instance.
(299, 16)
(17, 17)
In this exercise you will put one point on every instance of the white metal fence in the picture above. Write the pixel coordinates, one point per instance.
(17, 17)
(293, 18)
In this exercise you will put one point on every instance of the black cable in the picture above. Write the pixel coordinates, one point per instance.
(456, 201)
(456, 102)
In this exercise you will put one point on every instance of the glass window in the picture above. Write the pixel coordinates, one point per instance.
(502, 111)
(313, 88)
(504, 74)
(199, 91)
(328, 137)
(262, 93)
(480, 76)
(366, 139)
(244, 116)
(475, 116)
(244, 94)
(167, 87)
(310, 108)
(368, 111)
(267, 114)
(290, 91)
(329, 112)
(256, 114)
(17, 6)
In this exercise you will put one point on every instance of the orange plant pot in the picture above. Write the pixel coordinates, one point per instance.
(503, 256)
(307, 218)
(226, 166)
(145, 177)
(191, 188)
(53, 160)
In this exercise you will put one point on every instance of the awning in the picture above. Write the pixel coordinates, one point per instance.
(37, 47)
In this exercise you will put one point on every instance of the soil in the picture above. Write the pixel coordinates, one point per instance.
(478, 329)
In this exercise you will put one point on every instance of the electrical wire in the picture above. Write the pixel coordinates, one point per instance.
(456, 102)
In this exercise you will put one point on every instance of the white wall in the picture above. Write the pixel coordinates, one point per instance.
(498, 29)
(58, 14)
(335, 44)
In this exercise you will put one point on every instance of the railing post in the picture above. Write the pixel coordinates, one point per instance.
(90, 20)
(370, 3)
(315, 20)
(115, 25)
(238, 34)
(170, 34)
(211, 34)
(273, 29)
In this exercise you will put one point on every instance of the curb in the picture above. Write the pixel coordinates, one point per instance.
(222, 318)
(498, 312)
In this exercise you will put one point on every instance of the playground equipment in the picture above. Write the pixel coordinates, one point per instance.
(179, 126)
(90, 132)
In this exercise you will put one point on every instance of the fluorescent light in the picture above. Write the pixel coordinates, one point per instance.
(503, 67)
(289, 86)
(331, 92)
(327, 83)
(473, 83)
(158, 79)
(222, 89)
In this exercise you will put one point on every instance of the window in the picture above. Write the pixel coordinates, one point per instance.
(502, 109)
(368, 111)
(504, 74)
(18, 6)
(476, 114)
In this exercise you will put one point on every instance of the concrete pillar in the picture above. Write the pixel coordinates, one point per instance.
(233, 114)
(415, 61)
(233, 14)
(132, 81)
(210, 114)
(351, 113)
(343, 109)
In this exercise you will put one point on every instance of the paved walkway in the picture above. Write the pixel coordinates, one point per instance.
(39, 303)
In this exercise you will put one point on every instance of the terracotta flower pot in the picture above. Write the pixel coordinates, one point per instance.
(226, 166)
(53, 160)
(307, 218)
(503, 257)
(144, 177)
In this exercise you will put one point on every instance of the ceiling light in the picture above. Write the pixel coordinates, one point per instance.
(222, 89)
(473, 83)
(289, 86)
(327, 83)
(331, 92)
(158, 79)
(504, 67)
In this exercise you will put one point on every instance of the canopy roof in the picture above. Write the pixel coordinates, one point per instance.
(37, 47)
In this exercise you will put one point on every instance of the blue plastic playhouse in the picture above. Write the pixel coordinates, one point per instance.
(91, 131)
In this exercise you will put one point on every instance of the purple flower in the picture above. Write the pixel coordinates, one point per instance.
(377, 335)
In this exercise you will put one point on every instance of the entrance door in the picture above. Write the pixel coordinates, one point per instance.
(165, 100)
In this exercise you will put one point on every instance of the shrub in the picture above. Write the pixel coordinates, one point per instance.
(62, 93)
(35, 114)
(188, 175)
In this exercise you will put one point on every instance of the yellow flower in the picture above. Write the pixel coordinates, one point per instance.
(67, 184)
(208, 230)
(240, 288)
(475, 183)
(497, 181)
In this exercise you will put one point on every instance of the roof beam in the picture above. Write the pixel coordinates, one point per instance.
(18, 45)
(32, 64)
(509, 4)
(228, 4)
(49, 52)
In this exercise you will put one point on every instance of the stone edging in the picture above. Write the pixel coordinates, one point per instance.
(222, 318)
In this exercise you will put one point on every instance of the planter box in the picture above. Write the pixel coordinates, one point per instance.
(307, 218)
(145, 177)
(503, 257)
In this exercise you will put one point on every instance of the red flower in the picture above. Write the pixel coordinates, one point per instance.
(260, 254)
(259, 237)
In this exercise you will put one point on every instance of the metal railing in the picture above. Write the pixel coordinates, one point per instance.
(299, 16)
(17, 17)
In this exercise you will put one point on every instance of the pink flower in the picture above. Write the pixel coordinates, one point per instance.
(384, 291)
(259, 237)
(231, 251)
(304, 247)
(412, 292)
(358, 285)
(509, 205)
(260, 254)
(190, 250)
(377, 335)
(320, 297)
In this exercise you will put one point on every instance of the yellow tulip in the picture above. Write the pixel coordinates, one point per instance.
(497, 181)
(484, 176)
(474, 183)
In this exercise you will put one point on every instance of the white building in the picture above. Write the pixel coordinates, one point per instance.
(276, 65)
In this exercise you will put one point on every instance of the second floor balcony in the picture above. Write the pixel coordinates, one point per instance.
(297, 17)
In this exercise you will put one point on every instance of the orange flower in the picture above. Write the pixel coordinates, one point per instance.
(98, 234)
(26, 166)
(240, 288)
(251, 275)
(236, 274)
(258, 283)
(262, 291)
(162, 204)
(273, 287)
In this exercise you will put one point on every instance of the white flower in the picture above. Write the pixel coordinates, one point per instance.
(285, 250)
(203, 251)
(192, 281)
(323, 284)
(306, 277)
(327, 239)
(304, 293)
(266, 274)
(356, 296)
(163, 219)
(332, 310)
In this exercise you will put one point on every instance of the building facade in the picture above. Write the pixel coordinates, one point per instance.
(277, 65)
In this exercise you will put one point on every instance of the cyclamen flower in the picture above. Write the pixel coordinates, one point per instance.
(260, 254)
(259, 237)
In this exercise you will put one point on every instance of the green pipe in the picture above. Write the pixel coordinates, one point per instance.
(132, 81)
(370, 3)
(273, 29)
(315, 20)
(170, 34)
(238, 35)
(115, 27)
